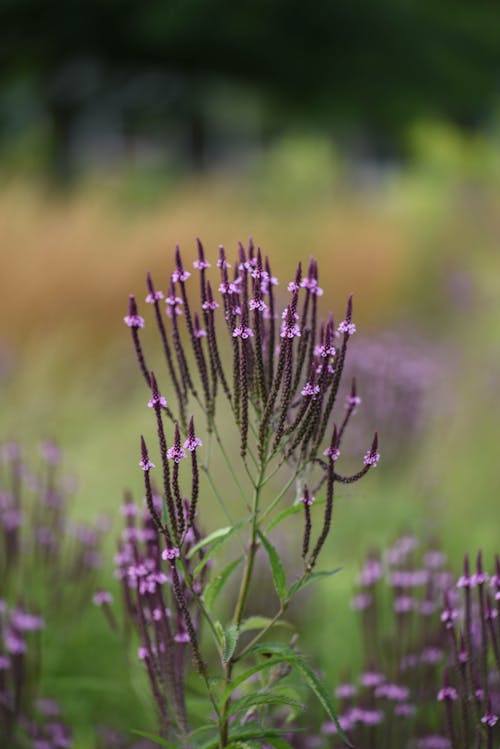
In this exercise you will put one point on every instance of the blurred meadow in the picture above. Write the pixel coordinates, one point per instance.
(415, 237)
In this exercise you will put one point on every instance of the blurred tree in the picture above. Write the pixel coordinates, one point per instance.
(331, 63)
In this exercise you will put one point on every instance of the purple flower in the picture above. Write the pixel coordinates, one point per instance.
(182, 637)
(153, 297)
(431, 655)
(324, 351)
(180, 275)
(134, 321)
(405, 709)
(392, 692)
(447, 693)
(129, 510)
(433, 741)
(146, 464)
(142, 653)
(13, 643)
(4, 662)
(361, 601)
(489, 719)
(332, 452)
(176, 453)
(371, 458)
(404, 604)
(306, 499)
(347, 327)
(371, 572)
(345, 691)
(102, 597)
(50, 452)
(157, 400)
(311, 284)
(171, 553)
(212, 304)
(371, 679)
(293, 286)
(192, 441)
(369, 717)
(25, 622)
(201, 264)
(257, 304)
(242, 332)
(353, 401)
(310, 390)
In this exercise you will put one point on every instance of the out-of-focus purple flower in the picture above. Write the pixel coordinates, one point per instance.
(13, 643)
(405, 709)
(361, 601)
(50, 452)
(172, 553)
(345, 691)
(433, 741)
(394, 692)
(447, 693)
(371, 572)
(25, 622)
(102, 597)
(201, 264)
(404, 604)
(180, 275)
(489, 719)
(371, 678)
(4, 662)
(155, 297)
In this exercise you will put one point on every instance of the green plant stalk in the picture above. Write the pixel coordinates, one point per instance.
(243, 593)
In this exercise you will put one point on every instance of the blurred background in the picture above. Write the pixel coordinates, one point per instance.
(366, 135)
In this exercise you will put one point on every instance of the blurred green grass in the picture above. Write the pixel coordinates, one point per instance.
(419, 248)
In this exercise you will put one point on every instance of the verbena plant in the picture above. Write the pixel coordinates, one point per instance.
(276, 373)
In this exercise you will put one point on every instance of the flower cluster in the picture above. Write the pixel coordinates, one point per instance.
(432, 677)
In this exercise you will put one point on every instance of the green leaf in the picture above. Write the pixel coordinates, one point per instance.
(261, 622)
(155, 739)
(230, 640)
(277, 568)
(251, 733)
(262, 666)
(208, 540)
(313, 577)
(298, 661)
(262, 698)
(216, 585)
(216, 543)
(289, 512)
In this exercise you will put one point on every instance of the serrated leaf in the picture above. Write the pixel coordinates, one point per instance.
(230, 640)
(208, 540)
(262, 666)
(155, 739)
(298, 661)
(251, 733)
(277, 569)
(258, 699)
(216, 585)
(313, 577)
(217, 543)
(261, 622)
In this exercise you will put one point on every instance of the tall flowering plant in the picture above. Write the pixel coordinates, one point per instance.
(276, 372)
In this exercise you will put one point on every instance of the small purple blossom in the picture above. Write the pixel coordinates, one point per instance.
(210, 305)
(405, 709)
(361, 601)
(242, 332)
(324, 351)
(310, 390)
(306, 498)
(25, 622)
(192, 441)
(180, 275)
(371, 678)
(394, 692)
(134, 321)
(352, 401)
(447, 693)
(157, 400)
(146, 464)
(153, 297)
(489, 719)
(311, 284)
(371, 459)
(176, 454)
(345, 691)
(171, 553)
(102, 597)
(371, 572)
(257, 304)
(201, 264)
(347, 327)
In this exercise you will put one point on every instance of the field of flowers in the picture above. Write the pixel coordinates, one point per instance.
(116, 615)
